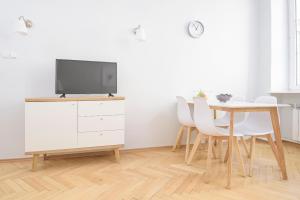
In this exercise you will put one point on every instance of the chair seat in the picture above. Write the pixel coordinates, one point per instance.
(191, 124)
(221, 122)
(242, 130)
(224, 121)
(251, 131)
(225, 132)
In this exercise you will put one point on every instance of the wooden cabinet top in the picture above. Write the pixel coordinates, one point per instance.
(83, 98)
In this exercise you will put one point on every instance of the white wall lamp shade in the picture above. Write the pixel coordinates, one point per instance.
(23, 25)
(140, 33)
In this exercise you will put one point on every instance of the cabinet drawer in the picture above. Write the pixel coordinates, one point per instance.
(101, 123)
(93, 108)
(115, 122)
(103, 138)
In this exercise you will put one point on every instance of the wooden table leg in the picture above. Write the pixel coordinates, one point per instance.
(277, 133)
(35, 158)
(117, 154)
(273, 146)
(227, 152)
(230, 142)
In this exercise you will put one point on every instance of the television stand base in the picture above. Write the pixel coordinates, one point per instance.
(110, 95)
(62, 96)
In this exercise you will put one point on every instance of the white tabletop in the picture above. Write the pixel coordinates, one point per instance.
(243, 104)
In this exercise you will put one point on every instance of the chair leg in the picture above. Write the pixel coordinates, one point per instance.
(188, 141)
(214, 150)
(239, 155)
(209, 154)
(245, 147)
(252, 152)
(273, 146)
(194, 149)
(178, 138)
(220, 145)
(227, 154)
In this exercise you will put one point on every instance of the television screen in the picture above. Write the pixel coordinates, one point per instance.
(85, 77)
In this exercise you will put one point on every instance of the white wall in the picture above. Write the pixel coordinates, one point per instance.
(150, 74)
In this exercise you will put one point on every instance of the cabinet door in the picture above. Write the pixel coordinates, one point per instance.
(50, 125)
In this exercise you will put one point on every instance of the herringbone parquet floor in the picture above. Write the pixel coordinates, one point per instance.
(150, 174)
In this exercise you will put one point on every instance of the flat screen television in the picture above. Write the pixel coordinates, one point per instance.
(85, 77)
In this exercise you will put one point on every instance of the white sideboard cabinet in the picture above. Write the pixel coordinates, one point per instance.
(71, 125)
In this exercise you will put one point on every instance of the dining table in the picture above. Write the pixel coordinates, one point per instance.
(234, 107)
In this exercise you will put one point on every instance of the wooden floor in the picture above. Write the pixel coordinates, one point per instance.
(151, 174)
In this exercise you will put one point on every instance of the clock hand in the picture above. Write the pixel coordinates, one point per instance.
(195, 26)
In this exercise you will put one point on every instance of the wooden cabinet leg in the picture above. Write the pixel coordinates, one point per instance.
(117, 154)
(35, 159)
(45, 156)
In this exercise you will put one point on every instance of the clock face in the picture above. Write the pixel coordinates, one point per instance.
(195, 29)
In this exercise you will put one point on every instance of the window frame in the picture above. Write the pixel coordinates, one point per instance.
(293, 40)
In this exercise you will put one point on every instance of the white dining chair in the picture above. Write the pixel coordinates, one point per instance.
(185, 118)
(205, 124)
(258, 124)
(239, 117)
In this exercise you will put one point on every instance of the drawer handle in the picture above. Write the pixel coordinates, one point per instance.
(101, 134)
(101, 118)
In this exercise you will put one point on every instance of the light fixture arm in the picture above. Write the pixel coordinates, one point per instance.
(137, 28)
(28, 23)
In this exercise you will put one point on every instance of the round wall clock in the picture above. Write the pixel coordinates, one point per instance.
(195, 29)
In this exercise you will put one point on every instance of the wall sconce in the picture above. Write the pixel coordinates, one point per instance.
(23, 25)
(139, 33)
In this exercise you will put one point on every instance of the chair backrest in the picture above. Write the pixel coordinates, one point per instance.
(184, 112)
(203, 116)
(261, 120)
